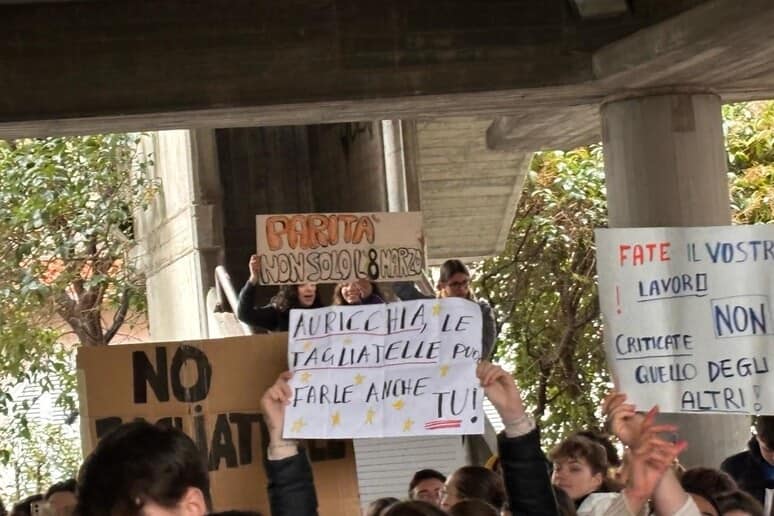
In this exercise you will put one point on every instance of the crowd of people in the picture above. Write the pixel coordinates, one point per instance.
(149, 470)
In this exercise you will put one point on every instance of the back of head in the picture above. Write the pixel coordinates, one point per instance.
(739, 501)
(413, 508)
(138, 463)
(473, 508)
(710, 481)
(66, 486)
(478, 482)
(376, 507)
(24, 506)
(764, 428)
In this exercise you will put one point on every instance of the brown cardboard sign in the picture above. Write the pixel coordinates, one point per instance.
(211, 390)
(333, 247)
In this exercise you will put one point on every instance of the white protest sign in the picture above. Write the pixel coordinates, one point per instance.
(688, 316)
(333, 247)
(395, 369)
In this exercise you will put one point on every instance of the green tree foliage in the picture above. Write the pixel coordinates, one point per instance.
(66, 223)
(49, 454)
(750, 143)
(543, 285)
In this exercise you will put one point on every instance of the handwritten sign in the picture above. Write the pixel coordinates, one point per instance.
(688, 316)
(210, 390)
(333, 247)
(398, 369)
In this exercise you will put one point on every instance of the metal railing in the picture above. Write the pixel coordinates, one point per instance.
(227, 295)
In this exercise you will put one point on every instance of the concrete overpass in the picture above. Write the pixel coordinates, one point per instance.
(286, 101)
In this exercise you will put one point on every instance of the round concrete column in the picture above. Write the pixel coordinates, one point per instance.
(665, 165)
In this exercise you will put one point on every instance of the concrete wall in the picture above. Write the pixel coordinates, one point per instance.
(181, 233)
(292, 169)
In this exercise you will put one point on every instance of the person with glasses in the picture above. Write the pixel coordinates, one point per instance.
(454, 281)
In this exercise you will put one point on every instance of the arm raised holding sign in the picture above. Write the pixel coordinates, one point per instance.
(291, 484)
(525, 468)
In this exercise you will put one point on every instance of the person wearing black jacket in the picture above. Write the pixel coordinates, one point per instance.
(276, 315)
(753, 469)
(525, 468)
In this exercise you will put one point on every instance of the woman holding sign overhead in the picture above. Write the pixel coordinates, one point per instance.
(276, 315)
(454, 281)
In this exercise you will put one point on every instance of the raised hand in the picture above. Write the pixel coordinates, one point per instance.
(625, 423)
(273, 403)
(255, 268)
(500, 387)
(649, 461)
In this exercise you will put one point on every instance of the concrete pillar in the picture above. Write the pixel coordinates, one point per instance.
(181, 234)
(665, 165)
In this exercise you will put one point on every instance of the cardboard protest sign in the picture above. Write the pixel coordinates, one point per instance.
(381, 370)
(688, 316)
(333, 247)
(211, 390)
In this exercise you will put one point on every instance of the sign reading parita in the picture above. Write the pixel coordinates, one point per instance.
(397, 369)
(333, 247)
(688, 316)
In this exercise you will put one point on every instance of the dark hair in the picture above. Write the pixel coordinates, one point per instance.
(139, 462)
(286, 299)
(235, 513)
(473, 507)
(376, 507)
(24, 506)
(413, 508)
(707, 480)
(739, 501)
(579, 447)
(480, 483)
(764, 427)
(564, 503)
(613, 459)
(451, 267)
(61, 487)
(338, 297)
(424, 474)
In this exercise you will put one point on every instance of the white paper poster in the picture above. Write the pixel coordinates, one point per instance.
(397, 369)
(688, 316)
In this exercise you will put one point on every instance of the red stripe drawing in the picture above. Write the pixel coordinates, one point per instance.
(436, 424)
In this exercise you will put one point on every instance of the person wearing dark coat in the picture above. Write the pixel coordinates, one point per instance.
(276, 315)
(753, 469)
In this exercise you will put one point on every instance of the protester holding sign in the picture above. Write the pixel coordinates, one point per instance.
(275, 315)
(524, 465)
(454, 281)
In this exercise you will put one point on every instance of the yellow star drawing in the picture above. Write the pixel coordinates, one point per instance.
(359, 379)
(407, 424)
(306, 376)
(308, 345)
(298, 424)
(398, 405)
(336, 418)
(444, 370)
(436, 309)
(347, 341)
(370, 416)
